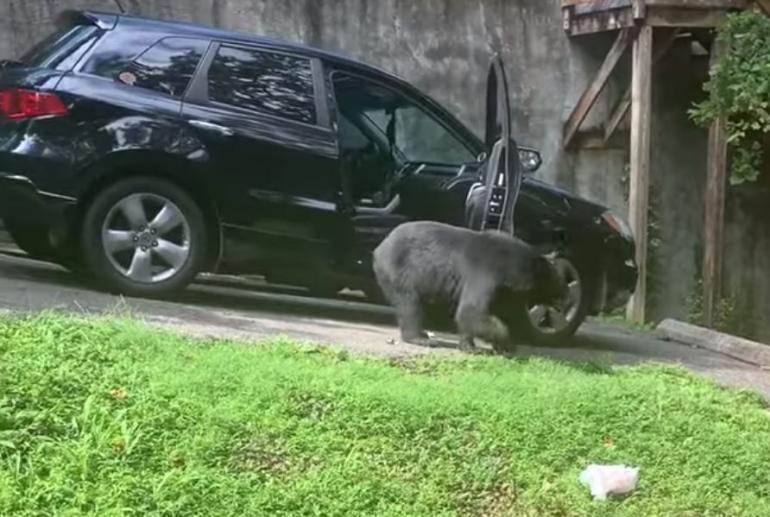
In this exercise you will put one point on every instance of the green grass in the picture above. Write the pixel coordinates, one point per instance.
(619, 319)
(108, 417)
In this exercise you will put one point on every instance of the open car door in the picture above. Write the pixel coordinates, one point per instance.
(491, 201)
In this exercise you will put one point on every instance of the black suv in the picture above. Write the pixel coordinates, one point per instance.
(145, 152)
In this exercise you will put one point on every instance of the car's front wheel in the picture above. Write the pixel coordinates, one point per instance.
(554, 325)
(144, 237)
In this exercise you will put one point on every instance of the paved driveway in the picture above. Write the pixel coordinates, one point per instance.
(226, 311)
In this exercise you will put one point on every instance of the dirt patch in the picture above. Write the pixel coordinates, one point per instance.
(498, 501)
(312, 406)
(261, 455)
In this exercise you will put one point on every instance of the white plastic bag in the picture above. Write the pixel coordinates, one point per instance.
(609, 479)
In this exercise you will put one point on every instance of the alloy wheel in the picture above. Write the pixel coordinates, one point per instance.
(146, 238)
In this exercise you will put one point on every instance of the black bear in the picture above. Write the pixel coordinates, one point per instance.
(426, 262)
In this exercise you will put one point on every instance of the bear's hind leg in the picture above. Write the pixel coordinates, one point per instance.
(474, 320)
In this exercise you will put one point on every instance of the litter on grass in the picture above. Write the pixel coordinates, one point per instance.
(604, 480)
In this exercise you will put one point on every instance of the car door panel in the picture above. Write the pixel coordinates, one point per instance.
(426, 193)
(277, 179)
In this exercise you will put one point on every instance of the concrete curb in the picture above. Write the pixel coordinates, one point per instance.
(732, 346)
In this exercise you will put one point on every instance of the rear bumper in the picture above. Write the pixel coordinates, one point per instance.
(25, 208)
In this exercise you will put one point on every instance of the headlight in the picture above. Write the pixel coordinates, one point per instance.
(530, 160)
(618, 224)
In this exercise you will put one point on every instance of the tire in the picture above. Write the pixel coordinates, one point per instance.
(145, 237)
(543, 326)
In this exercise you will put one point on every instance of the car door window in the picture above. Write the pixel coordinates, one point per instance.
(167, 66)
(113, 54)
(268, 82)
(368, 165)
(415, 134)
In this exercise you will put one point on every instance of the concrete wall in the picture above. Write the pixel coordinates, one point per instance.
(444, 47)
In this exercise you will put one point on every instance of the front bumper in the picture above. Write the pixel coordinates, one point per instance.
(620, 287)
(26, 209)
(617, 281)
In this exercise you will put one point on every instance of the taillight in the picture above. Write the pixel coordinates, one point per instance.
(19, 104)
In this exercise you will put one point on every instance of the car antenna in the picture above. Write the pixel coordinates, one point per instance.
(120, 7)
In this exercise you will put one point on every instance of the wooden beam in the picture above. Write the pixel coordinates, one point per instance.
(764, 5)
(588, 99)
(641, 114)
(621, 108)
(686, 4)
(600, 22)
(714, 208)
(594, 139)
(683, 17)
(618, 114)
(608, 4)
(700, 4)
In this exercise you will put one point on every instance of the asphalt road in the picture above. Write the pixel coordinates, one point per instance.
(228, 310)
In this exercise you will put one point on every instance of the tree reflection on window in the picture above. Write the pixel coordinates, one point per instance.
(276, 84)
(169, 65)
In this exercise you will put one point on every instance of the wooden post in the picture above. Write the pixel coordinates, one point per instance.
(641, 113)
(714, 208)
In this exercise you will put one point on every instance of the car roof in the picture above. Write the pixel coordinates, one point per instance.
(192, 29)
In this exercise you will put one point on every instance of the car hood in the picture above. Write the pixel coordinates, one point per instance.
(560, 200)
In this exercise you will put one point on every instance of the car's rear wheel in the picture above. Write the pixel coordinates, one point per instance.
(144, 237)
(554, 325)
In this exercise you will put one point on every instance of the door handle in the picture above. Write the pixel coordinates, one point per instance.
(210, 126)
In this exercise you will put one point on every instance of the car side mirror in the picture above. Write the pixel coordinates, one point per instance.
(530, 160)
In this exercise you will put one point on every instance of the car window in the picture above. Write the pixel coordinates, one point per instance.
(419, 136)
(268, 82)
(166, 67)
(114, 52)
